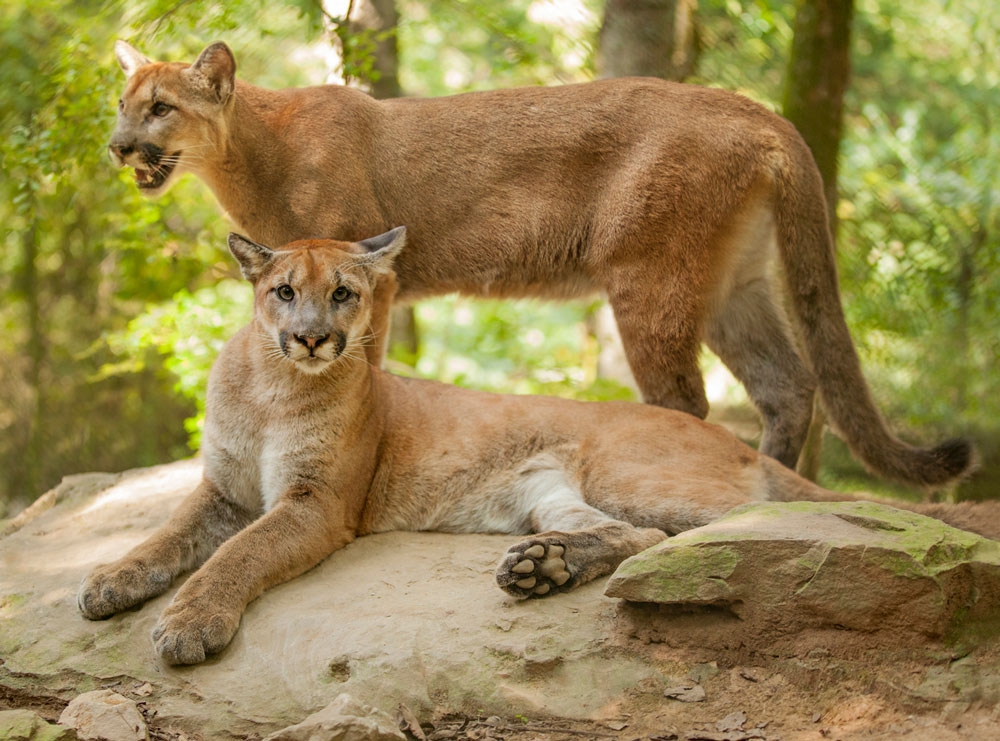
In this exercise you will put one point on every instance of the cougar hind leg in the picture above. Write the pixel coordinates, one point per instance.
(575, 543)
(751, 335)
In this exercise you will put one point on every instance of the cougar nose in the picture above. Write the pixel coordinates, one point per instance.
(119, 152)
(311, 342)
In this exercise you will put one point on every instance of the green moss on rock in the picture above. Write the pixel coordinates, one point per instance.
(27, 725)
(857, 564)
(692, 572)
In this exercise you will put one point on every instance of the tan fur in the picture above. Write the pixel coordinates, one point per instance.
(684, 205)
(307, 446)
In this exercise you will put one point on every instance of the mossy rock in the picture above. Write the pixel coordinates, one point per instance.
(27, 725)
(857, 565)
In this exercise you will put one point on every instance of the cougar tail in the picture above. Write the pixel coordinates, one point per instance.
(807, 253)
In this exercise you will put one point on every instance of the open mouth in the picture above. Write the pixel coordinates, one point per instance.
(157, 174)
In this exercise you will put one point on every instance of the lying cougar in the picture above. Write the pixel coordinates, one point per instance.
(307, 446)
(680, 203)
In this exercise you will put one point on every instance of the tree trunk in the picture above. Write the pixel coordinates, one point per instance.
(647, 38)
(378, 19)
(818, 73)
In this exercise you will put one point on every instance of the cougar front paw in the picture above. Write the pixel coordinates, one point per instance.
(111, 588)
(534, 568)
(187, 633)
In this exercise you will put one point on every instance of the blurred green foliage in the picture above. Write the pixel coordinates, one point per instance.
(83, 253)
(451, 46)
(521, 347)
(919, 237)
(188, 331)
(921, 210)
(113, 306)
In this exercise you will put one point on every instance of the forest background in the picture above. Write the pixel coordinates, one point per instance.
(112, 307)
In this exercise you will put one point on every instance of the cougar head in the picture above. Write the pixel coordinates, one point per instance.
(170, 115)
(313, 298)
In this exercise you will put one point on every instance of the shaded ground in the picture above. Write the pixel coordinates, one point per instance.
(801, 690)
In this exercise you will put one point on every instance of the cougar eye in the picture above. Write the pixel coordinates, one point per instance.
(341, 294)
(121, 105)
(285, 292)
(161, 109)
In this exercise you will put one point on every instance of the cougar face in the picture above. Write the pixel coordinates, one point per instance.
(170, 115)
(312, 298)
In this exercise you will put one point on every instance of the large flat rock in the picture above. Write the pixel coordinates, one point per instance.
(857, 565)
(415, 619)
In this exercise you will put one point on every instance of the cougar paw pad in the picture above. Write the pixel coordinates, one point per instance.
(534, 568)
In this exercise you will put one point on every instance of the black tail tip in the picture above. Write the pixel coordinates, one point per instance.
(953, 459)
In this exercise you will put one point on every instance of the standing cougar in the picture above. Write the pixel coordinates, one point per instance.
(681, 203)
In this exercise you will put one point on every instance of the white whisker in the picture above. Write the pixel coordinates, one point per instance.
(272, 349)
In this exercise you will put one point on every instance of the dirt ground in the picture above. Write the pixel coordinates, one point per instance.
(815, 685)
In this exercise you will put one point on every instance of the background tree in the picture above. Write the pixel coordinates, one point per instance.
(647, 38)
(371, 29)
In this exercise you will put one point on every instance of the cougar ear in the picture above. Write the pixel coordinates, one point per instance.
(253, 258)
(215, 70)
(130, 58)
(380, 251)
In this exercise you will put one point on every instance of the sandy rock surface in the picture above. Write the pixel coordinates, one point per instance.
(412, 627)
